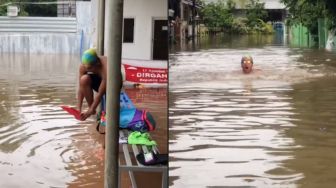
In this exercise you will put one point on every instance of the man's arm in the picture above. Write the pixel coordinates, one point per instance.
(80, 95)
(99, 95)
(96, 100)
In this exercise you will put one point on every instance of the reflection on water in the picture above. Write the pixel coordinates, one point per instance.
(315, 103)
(41, 145)
(257, 130)
(218, 42)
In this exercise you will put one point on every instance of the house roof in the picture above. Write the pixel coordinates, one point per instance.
(269, 4)
(190, 2)
(273, 4)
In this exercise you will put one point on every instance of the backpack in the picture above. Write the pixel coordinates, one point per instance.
(130, 117)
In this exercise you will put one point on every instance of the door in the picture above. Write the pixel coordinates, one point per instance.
(160, 46)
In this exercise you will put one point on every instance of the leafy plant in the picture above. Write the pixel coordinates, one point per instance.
(308, 12)
(240, 25)
(255, 12)
(30, 9)
(217, 15)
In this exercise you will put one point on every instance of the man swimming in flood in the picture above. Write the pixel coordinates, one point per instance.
(92, 77)
(247, 64)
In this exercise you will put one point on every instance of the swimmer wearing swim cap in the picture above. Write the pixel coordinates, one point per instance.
(92, 77)
(247, 64)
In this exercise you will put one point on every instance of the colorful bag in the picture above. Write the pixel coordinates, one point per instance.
(142, 121)
(130, 117)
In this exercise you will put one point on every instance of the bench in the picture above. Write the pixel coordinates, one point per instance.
(130, 163)
(130, 152)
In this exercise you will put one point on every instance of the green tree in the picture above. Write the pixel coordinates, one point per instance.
(255, 13)
(308, 12)
(231, 5)
(41, 10)
(3, 8)
(217, 15)
(28, 9)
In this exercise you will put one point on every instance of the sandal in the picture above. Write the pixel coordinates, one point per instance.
(152, 158)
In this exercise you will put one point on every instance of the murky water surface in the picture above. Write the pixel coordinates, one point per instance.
(275, 127)
(40, 144)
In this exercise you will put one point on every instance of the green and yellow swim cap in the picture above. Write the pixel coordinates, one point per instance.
(89, 57)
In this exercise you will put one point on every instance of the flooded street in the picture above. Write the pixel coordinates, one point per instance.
(43, 146)
(272, 128)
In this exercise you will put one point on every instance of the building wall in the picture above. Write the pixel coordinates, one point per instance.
(68, 35)
(39, 35)
(143, 12)
(269, 4)
(84, 23)
(39, 43)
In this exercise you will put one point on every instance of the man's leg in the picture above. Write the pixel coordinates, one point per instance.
(86, 89)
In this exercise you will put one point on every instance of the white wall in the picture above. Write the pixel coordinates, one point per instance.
(144, 12)
(39, 43)
(84, 23)
(39, 35)
(331, 41)
(47, 34)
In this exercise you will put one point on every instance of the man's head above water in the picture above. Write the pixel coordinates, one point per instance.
(247, 64)
(90, 60)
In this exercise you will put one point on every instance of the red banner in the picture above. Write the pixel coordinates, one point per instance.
(145, 75)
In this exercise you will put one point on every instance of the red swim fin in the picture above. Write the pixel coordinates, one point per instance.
(72, 111)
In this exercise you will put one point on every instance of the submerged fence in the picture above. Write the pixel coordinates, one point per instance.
(301, 37)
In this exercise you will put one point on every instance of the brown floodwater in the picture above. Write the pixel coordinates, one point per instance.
(275, 127)
(41, 145)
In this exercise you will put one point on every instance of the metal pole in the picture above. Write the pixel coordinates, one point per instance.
(193, 20)
(101, 27)
(181, 22)
(115, 15)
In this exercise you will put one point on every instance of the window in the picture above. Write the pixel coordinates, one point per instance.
(128, 30)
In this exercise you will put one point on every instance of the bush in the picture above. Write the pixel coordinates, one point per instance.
(218, 16)
(240, 26)
(266, 28)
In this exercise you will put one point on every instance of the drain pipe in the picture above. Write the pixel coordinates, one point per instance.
(81, 44)
(101, 27)
(193, 20)
(115, 15)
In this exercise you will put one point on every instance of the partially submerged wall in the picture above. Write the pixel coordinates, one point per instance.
(38, 35)
(46, 34)
(301, 37)
(39, 43)
(331, 40)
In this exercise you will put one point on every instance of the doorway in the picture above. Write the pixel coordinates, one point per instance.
(160, 40)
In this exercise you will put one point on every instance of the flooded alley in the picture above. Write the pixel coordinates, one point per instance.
(43, 146)
(272, 128)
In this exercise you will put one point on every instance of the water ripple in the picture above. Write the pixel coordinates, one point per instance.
(232, 128)
(36, 135)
